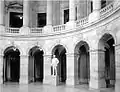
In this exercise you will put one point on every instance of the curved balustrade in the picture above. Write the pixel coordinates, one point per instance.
(79, 23)
(82, 22)
(106, 10)
(11, 30)
(59, 27)
(36, 30)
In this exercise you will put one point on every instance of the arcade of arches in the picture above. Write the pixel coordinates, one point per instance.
(82, 63)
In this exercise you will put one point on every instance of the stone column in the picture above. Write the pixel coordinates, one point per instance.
(26, 14)
(76, 57)
(1, 16)
(47, 69)
(95, 15)
(72, 15)
(70, 69)
(23, 69)
(97, 69)
(48, 28)
(1, 69)
(117, 65)
(1, 12)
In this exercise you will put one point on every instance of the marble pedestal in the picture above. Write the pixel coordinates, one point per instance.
(55, 80)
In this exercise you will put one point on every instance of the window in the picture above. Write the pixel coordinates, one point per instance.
(41, 20)
(103, 3)
(16, 19)
(66, 15)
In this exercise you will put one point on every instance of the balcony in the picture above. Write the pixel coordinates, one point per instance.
(82, 23)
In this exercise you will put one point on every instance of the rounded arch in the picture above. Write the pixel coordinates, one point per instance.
(11, 64)
(13, 48)
(108, 33)
(36, 64)
(82, 63)
(79, 44)
(104, 38)
(60, 53)
(56, 44)
(33, 46)
(34, 49)
(9, 45)
(106, 43)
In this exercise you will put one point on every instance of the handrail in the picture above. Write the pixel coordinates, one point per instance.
(11, 30)
(59, 27)
(82, 21)
(36, 30)
(106, 10)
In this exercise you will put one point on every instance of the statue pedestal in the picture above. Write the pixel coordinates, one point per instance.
(55, 80)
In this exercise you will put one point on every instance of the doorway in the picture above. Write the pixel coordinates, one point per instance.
(11, 65)
(36, 65)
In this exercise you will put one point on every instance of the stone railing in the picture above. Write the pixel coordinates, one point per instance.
(106, 10)
(36, 30)
(11, 30)
(59, 27)
(82, 22)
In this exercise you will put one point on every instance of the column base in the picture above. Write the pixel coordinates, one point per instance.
(24, 30)
(48, 29)
(47, 80)
(24, 79)
(70, 81)
(94, 16)
(117, 86)
(97, 84)
(70, 25)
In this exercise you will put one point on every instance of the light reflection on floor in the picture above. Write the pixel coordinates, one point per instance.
(47, 88)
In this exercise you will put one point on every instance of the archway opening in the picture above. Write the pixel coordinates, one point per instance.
(60, 52)
(107, 42)
(36, 65)
(82, 63)
(11, 65)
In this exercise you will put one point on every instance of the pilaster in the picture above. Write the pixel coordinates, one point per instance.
(1, 69)
(97, 69)
(1, 12)
(117, 63)
(47, 70)
(23, 69)
(70, 69)
(2, 28)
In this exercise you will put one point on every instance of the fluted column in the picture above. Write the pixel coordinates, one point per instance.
(72, 15)
(95, 15)
(26, 14)
(97, 69)
(117, 65)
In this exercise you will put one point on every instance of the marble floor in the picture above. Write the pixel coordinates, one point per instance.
(47, 88)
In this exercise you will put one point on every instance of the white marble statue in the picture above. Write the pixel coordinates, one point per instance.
(54, 64)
